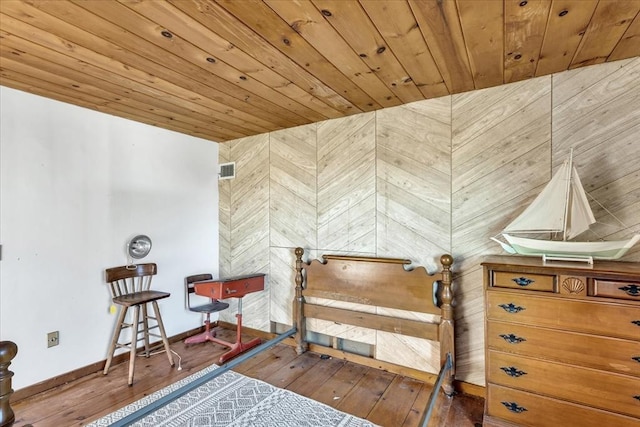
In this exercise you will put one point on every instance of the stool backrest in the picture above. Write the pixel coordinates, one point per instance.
(130, 278)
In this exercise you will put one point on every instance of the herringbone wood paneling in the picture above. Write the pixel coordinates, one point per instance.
(282, 285)
(413, 169)
(293, 211)
(346, 184)
(599, 116)
(501, 159)
(224, 215)
(503, 143)
(250, 225)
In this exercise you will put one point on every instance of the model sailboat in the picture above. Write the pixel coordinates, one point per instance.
(561, 208)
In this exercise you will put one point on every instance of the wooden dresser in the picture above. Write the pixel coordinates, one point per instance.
(562, 343)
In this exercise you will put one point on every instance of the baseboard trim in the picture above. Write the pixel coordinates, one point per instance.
(59, 380)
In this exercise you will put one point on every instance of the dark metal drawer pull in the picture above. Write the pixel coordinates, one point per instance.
(636, 358)
(523, 281)
(631, 290)
(512, 339)
(513, 407)
(512, 371)
(511, 308)
(636, 322)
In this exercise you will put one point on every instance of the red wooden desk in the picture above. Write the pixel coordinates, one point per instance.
(232, 287)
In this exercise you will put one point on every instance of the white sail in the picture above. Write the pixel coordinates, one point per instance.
(546, 213)
(580, 214)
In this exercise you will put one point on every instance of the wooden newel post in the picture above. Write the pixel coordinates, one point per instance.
(8, 351)
(447, 338)
(301, 345)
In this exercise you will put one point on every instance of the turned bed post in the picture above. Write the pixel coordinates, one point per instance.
(8, 351)
(298, 302)
(447, 338)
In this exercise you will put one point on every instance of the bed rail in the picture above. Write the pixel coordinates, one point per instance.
(426, 416)
(142, 412)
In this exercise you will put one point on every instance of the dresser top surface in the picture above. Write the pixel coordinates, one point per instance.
(493, 261)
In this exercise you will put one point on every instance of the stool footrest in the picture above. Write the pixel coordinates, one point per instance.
(154, 347)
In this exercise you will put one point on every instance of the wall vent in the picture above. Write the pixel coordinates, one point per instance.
(227, 170)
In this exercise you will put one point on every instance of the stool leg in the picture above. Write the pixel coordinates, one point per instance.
(145, 331)
(165, 341)
(134, 342)
(116, 336)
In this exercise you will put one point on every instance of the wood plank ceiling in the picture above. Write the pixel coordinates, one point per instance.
(225, 69)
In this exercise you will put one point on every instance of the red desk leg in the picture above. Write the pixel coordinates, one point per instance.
(237, 347)
(207, 335)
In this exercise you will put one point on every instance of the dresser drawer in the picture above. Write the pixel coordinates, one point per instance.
(593, 351)
(612, 289)
(533, 282)
(593, 317)
(594, 388)
(531, 410)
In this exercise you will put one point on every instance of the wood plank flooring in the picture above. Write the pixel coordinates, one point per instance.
(381, 397)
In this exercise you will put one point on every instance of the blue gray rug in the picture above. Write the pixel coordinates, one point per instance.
(234, 400)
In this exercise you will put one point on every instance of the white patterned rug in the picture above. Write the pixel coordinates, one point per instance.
(232, 399)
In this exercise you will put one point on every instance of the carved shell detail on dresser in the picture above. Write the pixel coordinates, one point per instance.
(573, 285)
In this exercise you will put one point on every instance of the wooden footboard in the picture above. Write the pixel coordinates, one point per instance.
(379, 282)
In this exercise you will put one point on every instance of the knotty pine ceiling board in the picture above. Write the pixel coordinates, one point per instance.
(236, 67)
(226, 69)
(268, 25)
(242, 38)
(609, 22)
(309, 22)
(563, 35)
(629, 44)
(440, 27)
(402, 35)
(482, 26)
(525, 24)
(354, 25)
(193, 60)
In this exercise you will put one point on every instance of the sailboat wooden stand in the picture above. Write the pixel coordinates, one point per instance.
(546, 259)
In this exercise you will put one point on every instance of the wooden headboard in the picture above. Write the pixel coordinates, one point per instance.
(380, 282)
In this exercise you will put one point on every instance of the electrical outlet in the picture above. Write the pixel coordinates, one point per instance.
(53, 339)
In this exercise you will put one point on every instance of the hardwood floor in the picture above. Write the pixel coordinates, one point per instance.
(381, 397)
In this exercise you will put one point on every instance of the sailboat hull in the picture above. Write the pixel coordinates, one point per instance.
(605, 250)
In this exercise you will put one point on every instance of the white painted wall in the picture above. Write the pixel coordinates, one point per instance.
(75, 186)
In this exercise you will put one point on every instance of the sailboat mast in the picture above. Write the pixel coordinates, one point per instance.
(567, 195)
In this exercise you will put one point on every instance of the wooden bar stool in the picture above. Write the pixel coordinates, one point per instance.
(130, 287)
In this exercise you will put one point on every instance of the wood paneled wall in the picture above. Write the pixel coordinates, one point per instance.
(346, 154)
(426, 178)
(247, 211)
